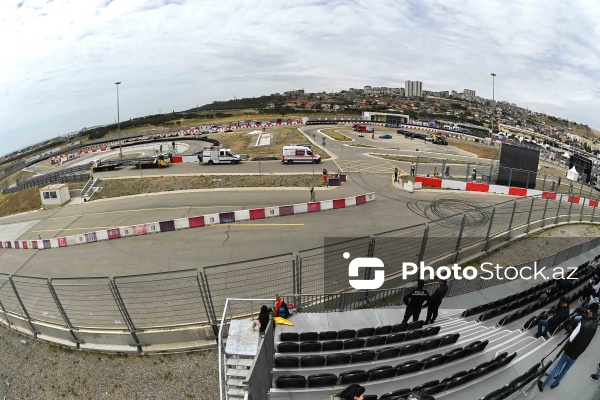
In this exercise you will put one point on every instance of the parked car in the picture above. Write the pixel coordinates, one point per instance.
(361, 135)
(385, 136)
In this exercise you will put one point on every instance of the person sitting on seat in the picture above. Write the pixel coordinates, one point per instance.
(352, 392)
(554, 320)
(550, 291)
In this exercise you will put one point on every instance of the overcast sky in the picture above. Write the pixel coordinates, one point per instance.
(61, 58)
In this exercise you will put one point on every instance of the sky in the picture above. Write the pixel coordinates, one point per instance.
(61, 58)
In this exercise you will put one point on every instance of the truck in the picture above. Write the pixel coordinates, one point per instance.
(157, 161)
(299, 154)
(99, 165)
(363, 128)
(218, 155)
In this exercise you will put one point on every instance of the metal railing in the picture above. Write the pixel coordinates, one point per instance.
(161, 308)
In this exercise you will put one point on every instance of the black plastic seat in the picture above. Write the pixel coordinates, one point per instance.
(312, 361)
(506, 360)
(309, 347)
(449, 339)
(431, 331)
(306, 336)
(290, 382)
(365, 332)
(410, 349)
(412, 335)
(415, 325)
(354, 343)
(375, 341)
(353, 377)
(289, 336)
(370, 397)
(425, 386)
(338, 359)
(322, 380)
(476, 347)
(395, 338)
(333, 345)
(456, 354)
(363, 356)
(391, 352)
(409, 367)
(439, 388)
(328, 335)
(434, 361)
(288, 347)
(401, 327)
(286, 362)
(495, 395)
(383, 330)
(395, 394)
(384, 372)
(430, 344)
(461, 380)
(346, 334)
(456, 375)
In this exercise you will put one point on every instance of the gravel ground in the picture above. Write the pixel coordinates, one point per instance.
(36, 370)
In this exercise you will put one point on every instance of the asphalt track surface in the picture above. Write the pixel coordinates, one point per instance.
(214, 245)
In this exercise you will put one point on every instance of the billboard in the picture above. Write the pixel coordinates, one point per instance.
(518, 166)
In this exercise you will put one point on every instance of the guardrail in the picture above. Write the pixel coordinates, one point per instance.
(169, 311)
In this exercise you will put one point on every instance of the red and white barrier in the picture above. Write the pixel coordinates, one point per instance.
(187, 223)
(498, 189)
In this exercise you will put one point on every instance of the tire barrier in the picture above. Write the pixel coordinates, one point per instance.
(188, 223)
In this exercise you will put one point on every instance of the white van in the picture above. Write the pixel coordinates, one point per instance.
(299, 154)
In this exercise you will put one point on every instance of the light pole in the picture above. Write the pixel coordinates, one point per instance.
(493, 101)
(119, 122)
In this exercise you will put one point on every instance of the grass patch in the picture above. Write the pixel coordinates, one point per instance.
(25, 200)
(335, 135)
(17, 176)
(243, 143)
(362, 145)
(481, 150)
(126, 187)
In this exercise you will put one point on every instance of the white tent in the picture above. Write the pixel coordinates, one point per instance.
(572, 174)
(566, 155)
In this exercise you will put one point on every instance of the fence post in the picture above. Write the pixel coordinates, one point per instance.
(558, 210)
(512, 216)
(528, 175)
(125, 314)
(443, 173)
(509, 176)
(594, 210)
(544, 184)
(63, 313)
(487, 236)
(460, 233)
(467, 172)
(582, 207)
(417, 166)
(491, 172)
(208, 304)
(424, 243)
(298, 260)
(570, 207)
(529, 216)
(544, 216)
(580, 188)
(28, 318)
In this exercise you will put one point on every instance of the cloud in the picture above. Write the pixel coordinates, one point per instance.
(59, 70)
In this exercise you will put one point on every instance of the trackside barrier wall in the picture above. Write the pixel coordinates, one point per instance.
(172, 310)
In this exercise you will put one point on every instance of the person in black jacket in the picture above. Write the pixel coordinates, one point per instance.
(555, 319)
(579, 340)
(435, 301)
(414, 301)
(551, 290)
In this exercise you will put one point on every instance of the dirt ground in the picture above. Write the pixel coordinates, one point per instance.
(19, 175)
(481, 150)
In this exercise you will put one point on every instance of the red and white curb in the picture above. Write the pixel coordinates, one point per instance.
(188, 223)
(498, 189)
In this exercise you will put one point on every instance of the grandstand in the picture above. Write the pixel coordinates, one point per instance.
(481, 347)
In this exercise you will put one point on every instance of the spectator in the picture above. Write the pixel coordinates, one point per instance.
(352, 392)
(173, 145)
(435, 301)
(161, 149)
(564, 283)
(555, 319)
(325, 177)
(263, 319)
(474, 175)
(395, 174)
(578, 342)
(551, 290)
(312, 193)
(412, 169)
(414, 301)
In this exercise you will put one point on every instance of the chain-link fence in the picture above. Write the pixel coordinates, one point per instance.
(91, 309)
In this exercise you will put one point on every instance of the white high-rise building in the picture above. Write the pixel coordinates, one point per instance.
(413, 89)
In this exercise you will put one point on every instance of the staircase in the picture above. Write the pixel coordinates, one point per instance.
(240, 350)
(237, 368)
(90, 189)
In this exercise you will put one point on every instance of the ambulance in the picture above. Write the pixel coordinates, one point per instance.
(299, 154)
(219, 155)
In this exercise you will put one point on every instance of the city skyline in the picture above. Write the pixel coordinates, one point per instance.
(176, 54)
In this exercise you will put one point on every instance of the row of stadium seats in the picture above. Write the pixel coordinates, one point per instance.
(356, 343)
(371, 355)
(350, 333)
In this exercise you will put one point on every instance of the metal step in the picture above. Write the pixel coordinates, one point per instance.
(239, 362)
(235, 382)
(237, 392)
(241, 372)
